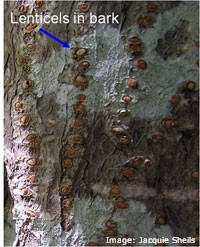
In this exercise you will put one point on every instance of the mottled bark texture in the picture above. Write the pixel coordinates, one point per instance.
(77, 152)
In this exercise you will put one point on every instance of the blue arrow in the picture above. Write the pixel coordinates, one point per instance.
(64, 44)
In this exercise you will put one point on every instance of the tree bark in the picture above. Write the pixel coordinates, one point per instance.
(82, 162)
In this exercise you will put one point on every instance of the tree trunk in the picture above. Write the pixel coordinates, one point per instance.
(107, 147)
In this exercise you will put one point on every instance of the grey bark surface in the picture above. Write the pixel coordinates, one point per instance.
(151, 174)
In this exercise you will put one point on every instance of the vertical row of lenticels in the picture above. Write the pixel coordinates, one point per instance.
(120, 131)
(74, 147)
(31, 142)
